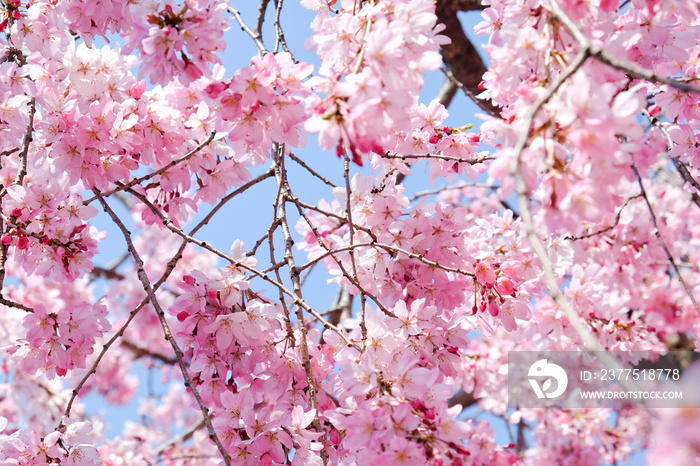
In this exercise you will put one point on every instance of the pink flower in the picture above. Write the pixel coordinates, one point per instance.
(485, 273)
(511, 310)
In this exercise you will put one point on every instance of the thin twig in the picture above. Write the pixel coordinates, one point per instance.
(351, 238)
(328, 214)
(312, 171)
(185, 436)
(657, 233)
(9, 152)
(10, 303)
(170, 266)
(606, 229)
(140, 352)
(262, 50)
(391, 249)
(589, 340)
(191, 239)
(685, 174)
(680, 166)
(262, 8)
(391, 155)
(280, 40)
(601, 55)
(429, 192)
(268, 174)
(135, 181)
(93, 369)
(143, 278)
(332, 253)
(271, 241)
(305, 275)
(363, 47)
(484, 105)
(281, 178)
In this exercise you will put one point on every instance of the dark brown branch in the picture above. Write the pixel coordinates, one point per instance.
(404, 157)
(8, 152)
(10, 303)
(447, 91)
(468, 5)
(460, 56)
(106, 273)
(140, 352)
(462, 398)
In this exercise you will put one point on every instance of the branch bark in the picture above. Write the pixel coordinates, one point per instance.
(460, 56)
(151, 292)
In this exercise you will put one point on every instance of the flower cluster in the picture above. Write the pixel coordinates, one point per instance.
(48, 229)
(449, 152)
(58, 340)
(591, 135)
(373, 58)
(400, 260)
(72, 447)
(177, 39)
(263, 103)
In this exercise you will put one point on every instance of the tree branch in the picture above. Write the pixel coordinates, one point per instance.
(166, 328)
(680, 166)
(262, 8)
(460, 56)
(601, 55)
(135, 181)
(606, 229)
(589, 340)
(140, 352)
(191, 239)
(25, 144)
(262, 50)
(447, 92)
(657, 233)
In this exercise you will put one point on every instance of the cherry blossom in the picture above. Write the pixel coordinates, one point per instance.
(138, 140)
